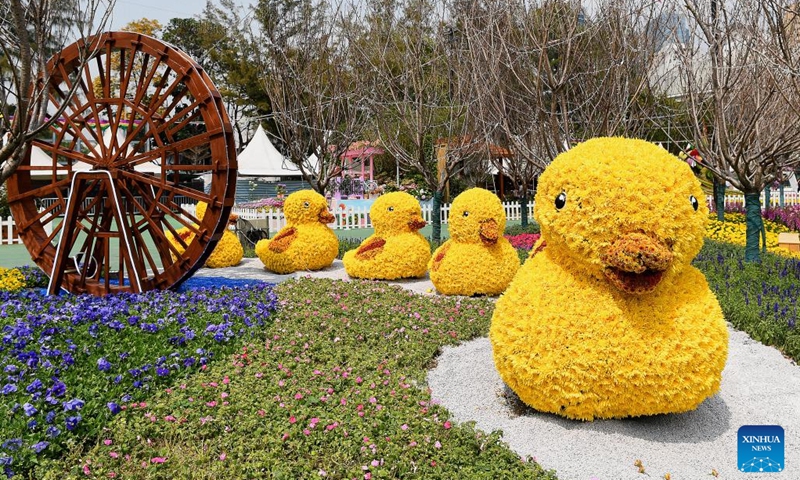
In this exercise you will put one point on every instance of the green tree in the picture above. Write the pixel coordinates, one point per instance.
(744, 97)
(219, 40)
(306, 68)
(30, 33)
(420, 91)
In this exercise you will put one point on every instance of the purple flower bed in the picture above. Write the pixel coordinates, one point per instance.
(69, 363)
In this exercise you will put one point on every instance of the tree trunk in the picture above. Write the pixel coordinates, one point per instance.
(755, 225)
(523, 204)
(436, 216)
(719, 198)
(780, 195)
(766, 197)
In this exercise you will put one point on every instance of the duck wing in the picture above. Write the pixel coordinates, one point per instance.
(439, 257)
(537, 247)
(370, 249)
(283, 240)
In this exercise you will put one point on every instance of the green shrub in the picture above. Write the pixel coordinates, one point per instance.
(346, 244)
(759, 299)
(532, 227)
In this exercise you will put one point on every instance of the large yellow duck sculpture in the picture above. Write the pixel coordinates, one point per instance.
(227, 253)
(396, 249)
(608, 318)
(477, 260)
(306, 242)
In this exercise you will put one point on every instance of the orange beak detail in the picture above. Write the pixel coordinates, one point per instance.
(416, 223)
(326, 217)
(489, 232)
(635, 263)
(233, 218)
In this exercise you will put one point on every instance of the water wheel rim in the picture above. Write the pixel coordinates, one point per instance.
(158, 120)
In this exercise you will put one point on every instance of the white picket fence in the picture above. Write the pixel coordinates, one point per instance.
(358, 217)
(789, 198)
(8, 231)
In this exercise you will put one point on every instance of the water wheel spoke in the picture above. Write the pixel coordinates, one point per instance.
(170, 114)
(149, 222)
(167, 185)
(42, 191)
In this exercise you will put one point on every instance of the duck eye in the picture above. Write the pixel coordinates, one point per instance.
(306, 205)
(561, 200)
(391, 209)
(466, 214)
(694, 202)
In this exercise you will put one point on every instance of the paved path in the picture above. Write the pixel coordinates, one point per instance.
(252, 268)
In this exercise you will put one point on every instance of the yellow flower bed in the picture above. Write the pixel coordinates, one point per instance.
(477, 246)
(306, 242)
(396, 249)
(609, 319)
(734, 230)
(11, 279)
(227, 253)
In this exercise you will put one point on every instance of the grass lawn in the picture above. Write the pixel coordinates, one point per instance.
(323, 378)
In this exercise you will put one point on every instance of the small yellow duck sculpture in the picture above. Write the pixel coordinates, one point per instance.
(608, 318)
(227, 253)
(396, 249)
(306, 242)
(477, 260)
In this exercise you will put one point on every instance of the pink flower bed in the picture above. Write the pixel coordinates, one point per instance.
(524, 240)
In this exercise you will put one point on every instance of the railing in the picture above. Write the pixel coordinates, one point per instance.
(358, 217)
(789, 198)
(8, 231)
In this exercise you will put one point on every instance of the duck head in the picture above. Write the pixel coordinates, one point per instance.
(396, 212)
(477, 216)
(624, 211)
(306, 206)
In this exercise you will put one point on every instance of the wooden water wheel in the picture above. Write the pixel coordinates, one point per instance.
(145, 135)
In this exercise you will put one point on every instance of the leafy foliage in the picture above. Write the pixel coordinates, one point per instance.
(760, 299)
(334, 389)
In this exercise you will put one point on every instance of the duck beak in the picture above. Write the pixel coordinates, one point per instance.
(489, 232)
(233, 218)
(326, 217)
(636, 262)
(416, 223)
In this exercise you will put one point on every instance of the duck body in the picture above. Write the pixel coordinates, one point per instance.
(403, 255)
(477, 259)
(624, 356)
(471, 269)
(228, 252)
(608, 318)
(306, 242)
(396, 250)
(298, 248)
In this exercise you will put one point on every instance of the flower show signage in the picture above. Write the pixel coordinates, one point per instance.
(761, 449)
(608, 318)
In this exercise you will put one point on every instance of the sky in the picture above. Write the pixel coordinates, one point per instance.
(126, 11)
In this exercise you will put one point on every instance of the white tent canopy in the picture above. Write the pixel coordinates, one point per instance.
(261, 159)
(43, 164)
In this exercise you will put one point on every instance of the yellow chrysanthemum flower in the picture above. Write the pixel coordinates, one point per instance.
(476, 245)
(11, 279)
(306, 242)
(227, 253)
(396, 249)
(608, 318)
(734, 230)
